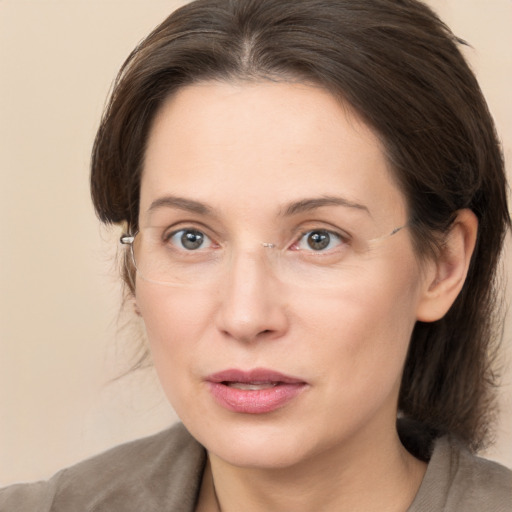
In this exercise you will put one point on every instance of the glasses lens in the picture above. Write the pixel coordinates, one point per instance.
(189, 258)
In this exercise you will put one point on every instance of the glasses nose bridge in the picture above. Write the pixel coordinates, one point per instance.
(244, 256)
(250, 266)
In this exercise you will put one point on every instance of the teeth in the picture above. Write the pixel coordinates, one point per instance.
(251, 386)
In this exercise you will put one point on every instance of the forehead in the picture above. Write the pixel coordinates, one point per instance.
(264, 144)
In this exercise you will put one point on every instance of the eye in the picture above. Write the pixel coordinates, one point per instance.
(318, 240)
(189, 239)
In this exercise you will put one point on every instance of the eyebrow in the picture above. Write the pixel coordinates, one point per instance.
(306, 205)
(293, 208)
(180, 203)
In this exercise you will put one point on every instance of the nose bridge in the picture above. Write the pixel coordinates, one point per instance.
(251, 296)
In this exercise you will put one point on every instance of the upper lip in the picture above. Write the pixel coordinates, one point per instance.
(256, 375)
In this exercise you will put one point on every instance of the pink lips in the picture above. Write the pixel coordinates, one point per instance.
(257, 391)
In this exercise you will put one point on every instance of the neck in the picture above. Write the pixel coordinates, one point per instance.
(378, 474)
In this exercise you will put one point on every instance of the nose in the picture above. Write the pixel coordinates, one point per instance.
(253, 305)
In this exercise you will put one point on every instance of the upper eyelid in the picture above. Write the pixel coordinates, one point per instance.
(341, 233)
(293, 236)
(323, 230)
(343, 239)
(172, 229)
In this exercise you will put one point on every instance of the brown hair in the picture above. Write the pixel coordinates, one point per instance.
(400, 67)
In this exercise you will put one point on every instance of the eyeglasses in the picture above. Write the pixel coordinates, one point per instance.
(190, 257)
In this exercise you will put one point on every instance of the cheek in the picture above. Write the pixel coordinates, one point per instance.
(170, 314)
(175, 322)
(362, 333)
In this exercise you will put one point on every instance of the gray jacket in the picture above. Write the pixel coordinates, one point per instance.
(162, 473)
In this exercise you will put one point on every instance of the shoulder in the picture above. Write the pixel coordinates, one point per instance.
(479, 483)
(154, 473)
(457, 480)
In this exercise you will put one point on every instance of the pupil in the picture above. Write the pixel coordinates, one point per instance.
(192, 239)
(318, 240)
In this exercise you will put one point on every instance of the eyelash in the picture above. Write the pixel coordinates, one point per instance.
(341, 238)
(167, 238)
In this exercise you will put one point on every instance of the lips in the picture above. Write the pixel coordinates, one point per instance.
(257, 391)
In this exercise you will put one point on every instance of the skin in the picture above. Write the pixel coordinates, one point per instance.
(247, 150)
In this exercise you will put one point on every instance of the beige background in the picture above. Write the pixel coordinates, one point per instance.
(61, 339)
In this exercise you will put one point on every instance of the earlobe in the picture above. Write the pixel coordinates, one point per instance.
(445, 279)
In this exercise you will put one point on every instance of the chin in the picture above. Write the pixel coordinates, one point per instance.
(254, 442)
(260, 455)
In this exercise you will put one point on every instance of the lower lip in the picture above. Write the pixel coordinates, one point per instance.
(255, 402)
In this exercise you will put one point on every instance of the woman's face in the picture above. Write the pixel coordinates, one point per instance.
(284, 332)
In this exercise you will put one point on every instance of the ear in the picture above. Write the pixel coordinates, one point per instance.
(445, 275)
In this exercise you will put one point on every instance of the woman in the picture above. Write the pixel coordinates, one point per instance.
(313, 203)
